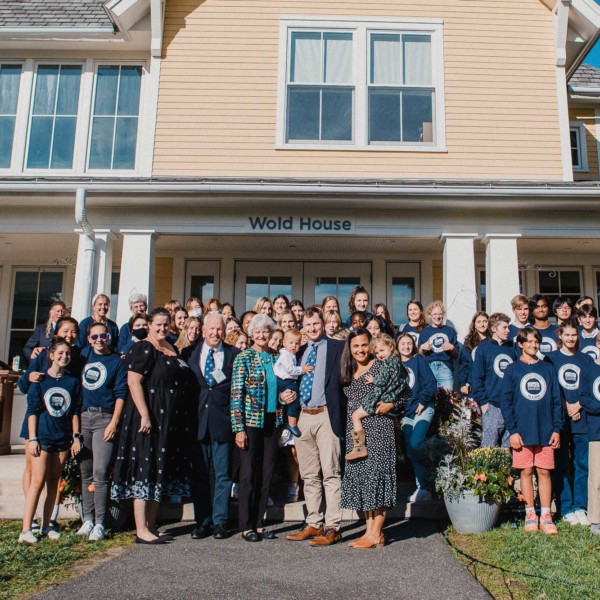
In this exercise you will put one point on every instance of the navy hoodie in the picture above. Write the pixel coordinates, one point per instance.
(438, 336)
(487, 373)
(549, 339)
(422, 383)
(103, 380)
(590, 400)
(587, 345)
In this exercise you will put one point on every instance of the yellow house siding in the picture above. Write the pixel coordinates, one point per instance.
(438, 279)
(219, 82)
(163, 280)
(587, 116)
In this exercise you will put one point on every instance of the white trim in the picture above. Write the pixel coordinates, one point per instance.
(22, 89)
(581, 131)
(310, 19)
(597, 132)
(148, 114)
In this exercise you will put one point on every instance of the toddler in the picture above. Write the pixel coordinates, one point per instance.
(390, 386)
(287, 371)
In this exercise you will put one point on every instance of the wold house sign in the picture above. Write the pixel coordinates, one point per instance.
(299, 225)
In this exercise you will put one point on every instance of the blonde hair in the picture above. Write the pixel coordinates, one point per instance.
(386, 340)
(183, 341)
(432, 306)
(233, 336)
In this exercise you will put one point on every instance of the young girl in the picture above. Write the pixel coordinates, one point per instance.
(390, 386)
(381, 311)
(237, 338)
(437, 343)
(478, 331)
(287, 320)
(333, 322)
(53, 422)
(416, 320)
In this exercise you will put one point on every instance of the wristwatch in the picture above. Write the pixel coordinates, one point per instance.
(77, 436)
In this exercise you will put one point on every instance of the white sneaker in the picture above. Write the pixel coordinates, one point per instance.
(51, 534)
(292, 494)
(571, 518)
(235, 490)
(97, 533)
(582, 517)
(27, 537)
(420, 495)
(86, 528)
(595, 529)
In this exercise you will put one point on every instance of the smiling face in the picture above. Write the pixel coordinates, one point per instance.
(541, 310)
(357, 321)
(266, 308)
(61, 355)
(437, 316)
(588, 322)
(193, 331)
(361, 301)
(158, 328)
(313, 327)
(98, 339)
(569, 337)
(276, 340)
(260, 338)
(56, 312)
(287, 322)
(231, 326)
(298, 312)
(213, 330)
(563, 312)
(382, 351)
(531, 346)
(406, 346)
(521, 313)
(414, 313)
(180, 318)
(242, 342)
(68, 331)
(373, 328)
(101, 307)
(138, 307)
(359, 349)
(481, 324)
(227, 311)
(279, 306)
(331, 304)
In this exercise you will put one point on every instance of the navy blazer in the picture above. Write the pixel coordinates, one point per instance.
(214, 414)
(37, 340)
(334, 393)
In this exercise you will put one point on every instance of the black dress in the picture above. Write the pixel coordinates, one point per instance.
(370, 483)
(157, 464)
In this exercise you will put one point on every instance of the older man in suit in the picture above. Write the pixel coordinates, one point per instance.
(322, 423)
(212, 362)
(43, 334)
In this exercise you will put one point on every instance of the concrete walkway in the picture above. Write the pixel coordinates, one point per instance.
(416, 564)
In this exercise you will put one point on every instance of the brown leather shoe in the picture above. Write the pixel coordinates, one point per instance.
(329, 537)
(306, 533)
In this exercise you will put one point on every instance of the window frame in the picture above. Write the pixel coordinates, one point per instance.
(580, 131)
(18, 116)
(361, 28)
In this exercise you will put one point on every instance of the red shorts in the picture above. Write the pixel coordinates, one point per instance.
(534, 456)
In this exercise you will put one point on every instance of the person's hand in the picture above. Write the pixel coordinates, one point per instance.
(576, 417)
(308, 368)
(516, 441)
(420, 409)
(287, 396)
(369, 378)
(464, 390)
(573, 409)
(383, 408)
(241, 440)
(447, 346)
(35, 352)
(145, 425)
(555, 441)
(35, 377)
(110, 431)
(484, 408)
(34, 448)
(75, 447)
(427, 346)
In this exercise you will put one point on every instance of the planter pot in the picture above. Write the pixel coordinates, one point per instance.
(472, 514)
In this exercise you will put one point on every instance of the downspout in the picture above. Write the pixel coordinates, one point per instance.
(89, 251)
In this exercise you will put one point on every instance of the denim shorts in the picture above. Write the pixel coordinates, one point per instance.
(55, 448)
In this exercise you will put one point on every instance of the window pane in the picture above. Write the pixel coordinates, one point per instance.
(303, 114)
(24, 300)
(325, 286)
(417, 117)
(101, 143)
(345, 287)
(338, 57)
(384, 116)
(45, 89)
(129, 91)
(482, 290)
(280, 285)
(50, 291)
(202, 287)
(7, 129)
(125, 139)
(10, 77)
(336, 122)
(106, 90)
(403, 290)
(417, 59)
(575, 148)
(40, 138)
(306, 57)
(255, 288)
(385, 59)
(549, 282)
(569, 282)
(64, 142)
(68, 90)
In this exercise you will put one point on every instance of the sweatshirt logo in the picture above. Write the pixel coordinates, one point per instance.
(437, 342)
(57, 401)
(411, 377)
(415, 336)
(500, 363)
(533, 387)
(591, 351)
(548, 345)
(596, 389)
(568, 376)
(94, 376)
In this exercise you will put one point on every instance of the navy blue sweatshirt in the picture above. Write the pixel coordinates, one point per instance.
(590, 400)
(491, 360)
(587, 345)
(113, 330)
(103, 380)
(55, 400)
(422, 383)
(438, 336)
(549, 339)
(531, 403)
(407, 328)
(125, 342)
(570, 369)
(41, 363)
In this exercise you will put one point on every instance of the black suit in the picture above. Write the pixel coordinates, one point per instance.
(214, 441)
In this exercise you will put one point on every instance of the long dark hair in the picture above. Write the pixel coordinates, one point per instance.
(349, 365)
(472, 339)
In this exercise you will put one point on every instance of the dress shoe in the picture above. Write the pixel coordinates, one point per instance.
(153, 542)
(220, 532)
(306, 533)
(201, 532)
(329, 537)
(366, 543)
(265, 534)
(251, 536)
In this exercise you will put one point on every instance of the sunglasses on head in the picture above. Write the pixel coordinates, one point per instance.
(99, 336)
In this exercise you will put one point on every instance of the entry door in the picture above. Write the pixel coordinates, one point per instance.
(335, 279)
(403, 284)
(256, 279)
(202, 279)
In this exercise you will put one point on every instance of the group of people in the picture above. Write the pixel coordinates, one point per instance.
(157, 406)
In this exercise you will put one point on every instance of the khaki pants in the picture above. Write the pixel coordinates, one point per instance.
(319, 452)
(594, 483)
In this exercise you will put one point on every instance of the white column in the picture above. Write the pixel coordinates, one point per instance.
(104, 258)
(84, 278)
(460, 289)
(501, 271)
(137, 269)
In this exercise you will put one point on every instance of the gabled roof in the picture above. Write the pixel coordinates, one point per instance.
(54, 14)
(586, 76)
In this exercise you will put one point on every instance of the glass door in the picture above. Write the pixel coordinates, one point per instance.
(202, 279)
(403, 284)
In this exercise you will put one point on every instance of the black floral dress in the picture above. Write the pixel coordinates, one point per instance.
(149, 466)
(370, 483)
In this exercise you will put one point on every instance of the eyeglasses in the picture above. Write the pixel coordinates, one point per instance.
(99, 336)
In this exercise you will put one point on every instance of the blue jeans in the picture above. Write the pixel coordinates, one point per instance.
(415, 429)
(571, 464)
(211, 507)
(443, 374)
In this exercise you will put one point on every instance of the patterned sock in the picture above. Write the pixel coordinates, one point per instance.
(545, 510)
(530, 512)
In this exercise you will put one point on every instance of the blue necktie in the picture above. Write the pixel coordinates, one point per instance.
(307, 379)
(209, 367)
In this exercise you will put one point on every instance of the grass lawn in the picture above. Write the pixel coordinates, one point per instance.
(25, 568)
(522, 566)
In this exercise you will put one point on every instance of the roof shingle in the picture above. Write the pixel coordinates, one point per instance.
(54, 13)
(586, 76)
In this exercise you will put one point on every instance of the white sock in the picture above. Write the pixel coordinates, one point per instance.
(545, 510)
(54, 516)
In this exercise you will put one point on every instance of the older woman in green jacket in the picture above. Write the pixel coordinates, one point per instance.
(256, 417)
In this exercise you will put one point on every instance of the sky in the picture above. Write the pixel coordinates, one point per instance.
(593, 58)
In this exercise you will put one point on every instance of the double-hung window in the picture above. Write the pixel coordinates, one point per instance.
(361, 85)
(578, 147)
(10, 79)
